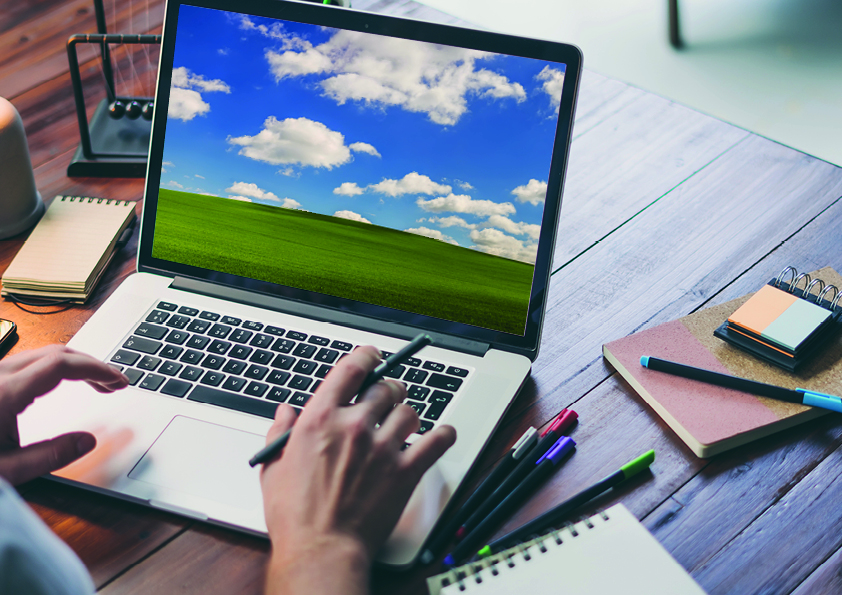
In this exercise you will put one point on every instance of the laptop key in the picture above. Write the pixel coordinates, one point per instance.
(205, 394)
(191, 373)
(323, 370)
(133, 374)
(256, 372)
(283, 345)
(176, 388)
(278, 377)
(241, 351)
(262, 341)
(262, 356)
(320, 341)
(304, 350)
(305, 366)
(299, 399)
(191, 356)
(419, 407)
(413, 361)
(231, 321)
(396, 372)
(284, 362)
(241, 335)
(454, 371)
(219, 347)
(220, 331)
(171, 351)
(256, 389)
(212, 378)
(417, 392)
(157, 316)
(296, 336)
(178, 321)
(209, 316)
(188, 311)
(300, 382)
(171, 369)
(235, 384)
(199, 326)
(198, 342)
(167, 306)
(151, 382)
(142, 345)
(253, 326)
(426, 426)
(234, 366)
(274, 330)
(327, 356)
(341, 345)
(445, 382)
(278, 394)
(438, 401)
(153, 331)
(416, 375)
(316, 385)
(212, 362)
(177, 337)
(148, 362)
(434, 366)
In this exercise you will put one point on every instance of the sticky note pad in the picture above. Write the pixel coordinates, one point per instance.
(780, 317)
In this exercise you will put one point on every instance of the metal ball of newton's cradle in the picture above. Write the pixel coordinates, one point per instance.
(116, 109)
(133, 110)
(148, 107)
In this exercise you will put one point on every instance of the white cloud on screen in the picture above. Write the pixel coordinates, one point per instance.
(289, 203)
(240, 198)
(351, 215)
(174, 184)
(533, 192)
(432, 233)
(348, 189)
(364, 148)
(452, 221)
(553, 81)
(241, 190)
(295, 141)
(493, 241)
(411, 183)
(462, 203)
(186, 100)
(514, 228)
(383, 71)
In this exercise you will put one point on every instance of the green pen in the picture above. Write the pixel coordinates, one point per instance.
(554, 516)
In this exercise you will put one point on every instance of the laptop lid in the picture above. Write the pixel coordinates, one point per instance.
(402, 171)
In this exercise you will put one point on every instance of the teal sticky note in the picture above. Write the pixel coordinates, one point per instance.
(795, 325)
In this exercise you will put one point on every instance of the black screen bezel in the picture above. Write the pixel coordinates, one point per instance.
(341, 18)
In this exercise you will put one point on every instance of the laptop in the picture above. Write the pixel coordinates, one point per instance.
(321, 178)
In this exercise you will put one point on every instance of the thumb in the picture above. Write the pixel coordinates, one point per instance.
(24, 464)
(285, 417)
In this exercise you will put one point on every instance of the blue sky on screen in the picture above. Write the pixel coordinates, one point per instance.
(446, 142)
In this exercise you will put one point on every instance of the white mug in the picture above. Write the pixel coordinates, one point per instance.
(20, 203)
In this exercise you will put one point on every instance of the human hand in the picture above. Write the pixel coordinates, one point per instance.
(25, 377)
(339, 488)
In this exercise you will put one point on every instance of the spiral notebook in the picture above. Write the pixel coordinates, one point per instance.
(67, 252)
(610, 552)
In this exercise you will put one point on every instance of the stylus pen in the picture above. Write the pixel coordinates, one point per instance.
(799, 395)
(543, 468)
(521, 448)
(554, 516)
(562, 421)
(271, 451)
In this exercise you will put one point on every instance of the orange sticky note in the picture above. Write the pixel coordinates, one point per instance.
(762, 309)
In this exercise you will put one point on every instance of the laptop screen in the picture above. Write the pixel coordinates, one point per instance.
(393, 172)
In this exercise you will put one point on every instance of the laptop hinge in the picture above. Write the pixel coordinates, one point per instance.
(365, 323)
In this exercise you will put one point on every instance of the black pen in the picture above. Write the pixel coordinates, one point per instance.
(801, 396)
(271, 451)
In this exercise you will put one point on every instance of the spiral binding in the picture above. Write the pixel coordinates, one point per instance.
(809, 283)
(523, 552)
(91, 199)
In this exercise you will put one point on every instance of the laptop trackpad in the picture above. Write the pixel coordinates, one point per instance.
(205, 460)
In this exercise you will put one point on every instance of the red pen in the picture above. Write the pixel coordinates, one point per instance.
(559, 425)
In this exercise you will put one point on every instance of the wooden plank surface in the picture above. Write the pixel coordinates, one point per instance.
(665, 211)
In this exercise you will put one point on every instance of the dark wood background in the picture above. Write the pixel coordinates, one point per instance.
(665, 211)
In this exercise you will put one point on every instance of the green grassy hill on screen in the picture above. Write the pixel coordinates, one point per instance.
(338, 257)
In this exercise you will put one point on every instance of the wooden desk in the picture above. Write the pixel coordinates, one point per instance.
(665, 211)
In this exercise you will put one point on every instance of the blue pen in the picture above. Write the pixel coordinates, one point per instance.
(802, 396)
(544, 467)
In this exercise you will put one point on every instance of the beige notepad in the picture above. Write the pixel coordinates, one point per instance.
(67, 252)
(609, 553)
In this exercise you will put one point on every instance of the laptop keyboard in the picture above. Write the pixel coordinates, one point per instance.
(249, 366)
